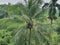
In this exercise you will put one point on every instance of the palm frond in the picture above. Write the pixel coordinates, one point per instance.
(38, 14)
(34, 2)
(45, 5)
(31, 8)
(58, 6)
(52, 11)
(54, 1)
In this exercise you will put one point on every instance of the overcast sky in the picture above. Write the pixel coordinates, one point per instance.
(15, 1)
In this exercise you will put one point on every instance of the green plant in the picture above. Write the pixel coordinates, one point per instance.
(52, 9)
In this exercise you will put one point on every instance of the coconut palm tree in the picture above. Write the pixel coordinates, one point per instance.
(29, 34)
(30, 10)
(52, 9)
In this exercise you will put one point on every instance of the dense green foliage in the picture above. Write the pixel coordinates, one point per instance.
(28, 24)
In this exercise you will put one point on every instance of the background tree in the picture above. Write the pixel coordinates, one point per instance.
(3, 14)
(52, 9)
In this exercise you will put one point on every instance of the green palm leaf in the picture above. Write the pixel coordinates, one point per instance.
(58, 6)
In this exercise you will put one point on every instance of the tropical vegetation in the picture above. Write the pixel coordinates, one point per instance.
(30, 23)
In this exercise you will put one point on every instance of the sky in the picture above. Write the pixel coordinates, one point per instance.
(15, 1)
(10, 1)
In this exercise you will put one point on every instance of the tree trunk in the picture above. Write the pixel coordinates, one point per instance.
(30, 37)
(25, 41)
(51, 21)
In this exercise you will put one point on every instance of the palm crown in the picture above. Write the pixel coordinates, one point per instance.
(30, 10)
